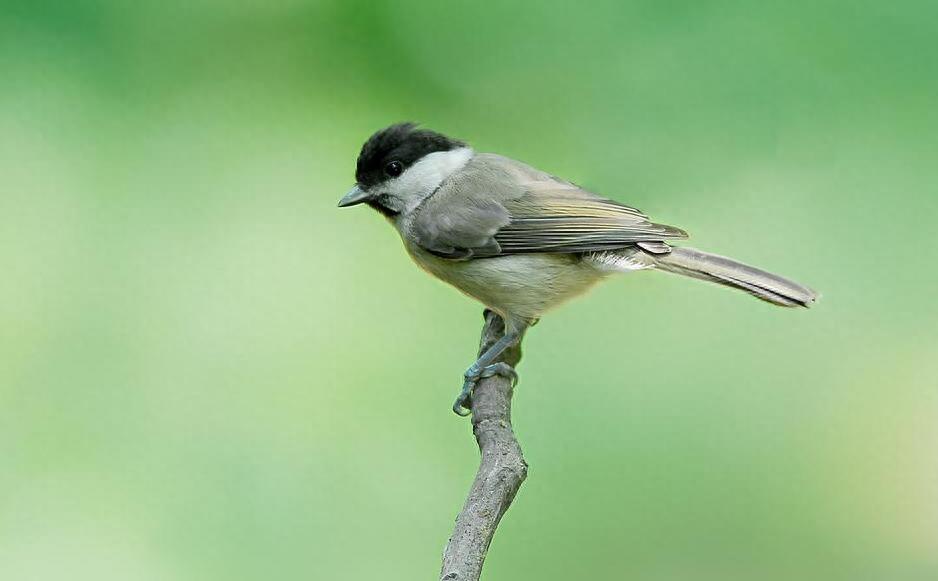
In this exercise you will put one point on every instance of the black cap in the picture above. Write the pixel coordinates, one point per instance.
(401, 142)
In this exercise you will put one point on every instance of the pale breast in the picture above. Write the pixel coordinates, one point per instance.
(526, 285)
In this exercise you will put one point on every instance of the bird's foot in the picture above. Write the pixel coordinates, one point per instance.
(463, 404)
(500, 368)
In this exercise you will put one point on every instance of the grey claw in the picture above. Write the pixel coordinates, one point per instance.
(460, 408)
(463, 403)
(502, 369)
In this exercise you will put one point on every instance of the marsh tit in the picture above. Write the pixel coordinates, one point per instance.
(520, 240)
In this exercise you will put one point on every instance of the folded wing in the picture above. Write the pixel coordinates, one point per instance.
(497, 206)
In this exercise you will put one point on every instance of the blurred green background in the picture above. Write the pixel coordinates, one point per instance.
(208, 371)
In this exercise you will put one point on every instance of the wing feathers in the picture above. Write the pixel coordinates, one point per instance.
(547, 223)
(499, 206)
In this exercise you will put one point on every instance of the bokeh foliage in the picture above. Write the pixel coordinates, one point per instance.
(207, 371)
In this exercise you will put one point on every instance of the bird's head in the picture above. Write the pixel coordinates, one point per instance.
(401, 165)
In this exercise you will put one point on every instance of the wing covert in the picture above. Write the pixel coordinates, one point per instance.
(496, 206)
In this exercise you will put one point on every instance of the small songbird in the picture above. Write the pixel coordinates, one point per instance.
(520, 240)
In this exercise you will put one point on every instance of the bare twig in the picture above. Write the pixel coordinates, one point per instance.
(501, 470)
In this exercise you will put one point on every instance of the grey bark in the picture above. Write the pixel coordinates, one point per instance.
(501, 471)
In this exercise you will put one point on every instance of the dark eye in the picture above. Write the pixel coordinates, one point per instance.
(394, 169)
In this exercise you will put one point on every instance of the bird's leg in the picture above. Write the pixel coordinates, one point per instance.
(483, 367)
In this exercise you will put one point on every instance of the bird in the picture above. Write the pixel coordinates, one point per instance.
(520, 240)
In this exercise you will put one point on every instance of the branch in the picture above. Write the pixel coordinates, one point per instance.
(501, 470)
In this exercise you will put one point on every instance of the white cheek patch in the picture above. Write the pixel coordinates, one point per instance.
(424, 177)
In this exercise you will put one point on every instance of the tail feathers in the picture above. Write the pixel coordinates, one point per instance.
(728, 272)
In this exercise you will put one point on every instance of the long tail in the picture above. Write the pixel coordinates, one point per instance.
(728, 272)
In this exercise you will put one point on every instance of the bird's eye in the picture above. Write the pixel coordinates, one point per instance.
(394, 169)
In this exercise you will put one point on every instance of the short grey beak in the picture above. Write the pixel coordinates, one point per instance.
(355, 196)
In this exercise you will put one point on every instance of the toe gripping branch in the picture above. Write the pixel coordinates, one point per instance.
(499, 352)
